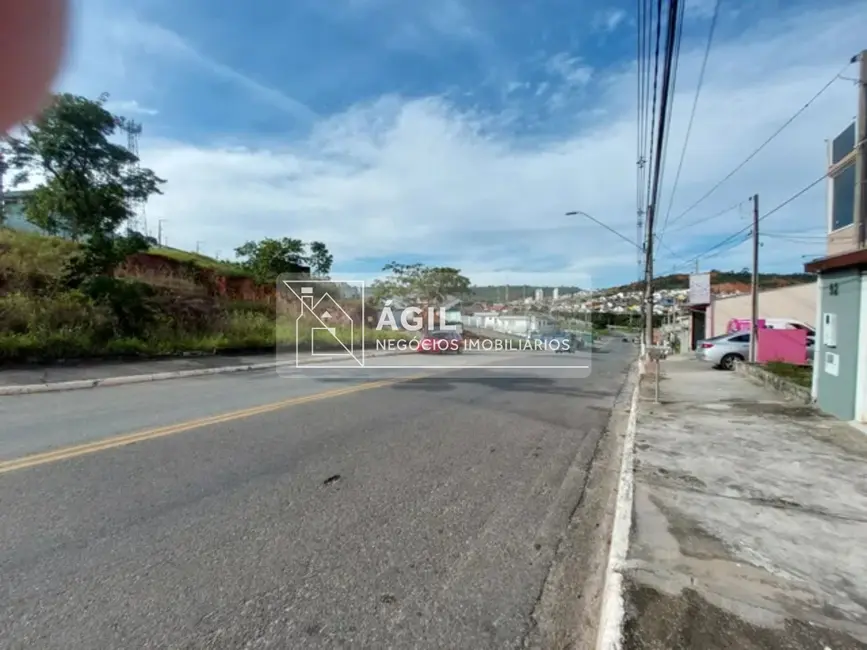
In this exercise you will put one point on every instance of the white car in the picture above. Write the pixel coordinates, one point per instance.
(723, 351)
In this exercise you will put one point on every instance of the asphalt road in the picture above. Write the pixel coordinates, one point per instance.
(258, 511)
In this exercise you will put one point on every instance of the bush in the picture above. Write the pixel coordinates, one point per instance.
(800, 375)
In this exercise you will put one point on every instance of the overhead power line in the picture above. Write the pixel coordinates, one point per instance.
(677, 25)
(716, 215)
(674, 21)
(692, 114)
(743, 234)
(782, 128)
(652, 157)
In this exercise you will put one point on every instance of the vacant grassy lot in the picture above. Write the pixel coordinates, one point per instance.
(168, 314)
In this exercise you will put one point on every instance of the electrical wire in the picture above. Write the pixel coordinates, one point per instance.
(642, 62)
(782, 128)
(678, 28)
(716, 215)
(692, 114)
(652, 152)
(664, 104)
(747, 229)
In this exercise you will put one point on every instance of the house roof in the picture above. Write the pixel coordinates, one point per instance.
(851, 259)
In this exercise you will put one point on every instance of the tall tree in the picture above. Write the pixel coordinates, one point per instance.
(88, 182)
(269, 258)
(420, 283)
(320, 259)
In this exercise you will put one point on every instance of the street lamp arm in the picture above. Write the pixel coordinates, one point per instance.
(607, 227)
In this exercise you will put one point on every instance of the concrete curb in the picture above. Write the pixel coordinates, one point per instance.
(82, 384)
(610, 636)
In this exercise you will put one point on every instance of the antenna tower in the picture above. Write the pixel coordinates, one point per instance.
(137, 220)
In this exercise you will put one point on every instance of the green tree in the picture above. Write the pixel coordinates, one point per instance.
(89, 182)
(420, 283)
(87, 187)
(269, 258)
(320, 259)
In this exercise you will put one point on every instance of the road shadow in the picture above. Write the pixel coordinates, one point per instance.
(568, 387)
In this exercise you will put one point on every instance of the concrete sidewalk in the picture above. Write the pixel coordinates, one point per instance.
(49, 374)
(91, 374)
(750, 520)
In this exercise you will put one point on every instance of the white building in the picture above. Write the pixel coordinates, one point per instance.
(556, 294)
(540, 295)
(520, 325)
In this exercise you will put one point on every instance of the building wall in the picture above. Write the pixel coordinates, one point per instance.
(842, 241)
(840, 295)
(797, 302)
(841, 213)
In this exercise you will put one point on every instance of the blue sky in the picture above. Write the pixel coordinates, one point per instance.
(459, 131)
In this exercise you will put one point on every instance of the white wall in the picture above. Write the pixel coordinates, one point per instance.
(797, 302)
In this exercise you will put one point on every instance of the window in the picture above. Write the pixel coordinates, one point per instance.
(843, 198)
(843, 144)
(743, 338)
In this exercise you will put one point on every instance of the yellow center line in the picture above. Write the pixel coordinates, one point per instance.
(160, 432)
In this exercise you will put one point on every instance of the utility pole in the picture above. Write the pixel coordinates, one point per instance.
(648, 278)
(160, 232)
(861, 151)
(754, 316)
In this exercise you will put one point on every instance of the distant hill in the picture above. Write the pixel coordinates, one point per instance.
(725, 281)
(719, 278)
(501, 293)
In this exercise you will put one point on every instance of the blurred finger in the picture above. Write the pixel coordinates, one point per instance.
(32, 40)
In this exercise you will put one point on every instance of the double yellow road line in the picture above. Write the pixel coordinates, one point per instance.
(160, 432)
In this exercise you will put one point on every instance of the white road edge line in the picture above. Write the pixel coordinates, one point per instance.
(610, 636)
(81, 384)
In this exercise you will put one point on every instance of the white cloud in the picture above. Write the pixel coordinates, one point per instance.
(573, 71)
(130, 107)
(398, 178)
(608, 21)
(700, 8)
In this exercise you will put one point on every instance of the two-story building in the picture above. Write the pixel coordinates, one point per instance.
(840, 363)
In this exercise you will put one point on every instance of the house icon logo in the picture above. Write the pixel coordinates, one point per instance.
(323, 328)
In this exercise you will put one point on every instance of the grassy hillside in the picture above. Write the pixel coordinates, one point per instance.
(151, 313)
(226, 268)
(670, 282)
(681, 281)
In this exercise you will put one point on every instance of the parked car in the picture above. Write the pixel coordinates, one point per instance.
(441, 342)
(723, 351)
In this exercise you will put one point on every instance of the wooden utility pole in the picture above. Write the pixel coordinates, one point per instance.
(754, 316)
(861, 151)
